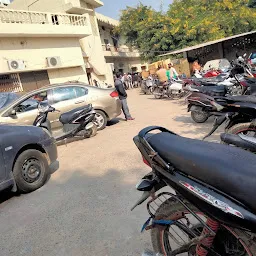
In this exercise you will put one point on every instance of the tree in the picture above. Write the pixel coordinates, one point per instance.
(186, 23)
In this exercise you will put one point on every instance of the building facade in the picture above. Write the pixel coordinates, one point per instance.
(121, 57)
(44, 42)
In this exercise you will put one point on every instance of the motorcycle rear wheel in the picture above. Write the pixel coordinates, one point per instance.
(243, 128)
(226, 238)
(199, 116)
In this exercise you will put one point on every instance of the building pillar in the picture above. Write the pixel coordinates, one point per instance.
(221, 51)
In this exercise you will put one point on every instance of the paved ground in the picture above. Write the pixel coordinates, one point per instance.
(85, 207)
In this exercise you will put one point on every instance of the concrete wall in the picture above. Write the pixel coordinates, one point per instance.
(43, 6)
(34, 51)
(67, 74)
(91, 45)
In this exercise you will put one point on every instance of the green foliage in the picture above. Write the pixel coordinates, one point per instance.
(187, 22)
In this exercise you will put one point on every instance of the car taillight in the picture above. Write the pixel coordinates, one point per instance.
(114, 94)
(146, 161)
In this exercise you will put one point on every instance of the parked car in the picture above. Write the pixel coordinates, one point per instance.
(252, 59)
(63, 97)
(28, 155)
(218, 64)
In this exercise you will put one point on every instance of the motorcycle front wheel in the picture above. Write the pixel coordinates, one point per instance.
(167, 239)
(158, 94)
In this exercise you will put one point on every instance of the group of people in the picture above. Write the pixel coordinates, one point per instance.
(165, 75)
(131, 80)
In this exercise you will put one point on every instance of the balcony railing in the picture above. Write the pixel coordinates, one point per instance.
(28, 17)
(15, 23)
(120, 51)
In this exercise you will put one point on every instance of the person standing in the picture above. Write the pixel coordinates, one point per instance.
(122, 96)
(130, 85)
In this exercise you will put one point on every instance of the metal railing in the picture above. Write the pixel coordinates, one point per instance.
(117, 49)
(28, 17)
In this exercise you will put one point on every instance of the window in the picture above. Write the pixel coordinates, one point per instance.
(63, 94)
(80, 91)
(32, 102)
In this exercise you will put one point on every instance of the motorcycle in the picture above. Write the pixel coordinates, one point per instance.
(199, 104)
(171, 89)
(240, 140)
(147, 86)
(210, 211)
(239, 113)
(77, 122)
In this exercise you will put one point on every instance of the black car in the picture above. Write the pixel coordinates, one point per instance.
(28, 155)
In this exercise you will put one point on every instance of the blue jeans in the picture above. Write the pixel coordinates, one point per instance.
(125, 108)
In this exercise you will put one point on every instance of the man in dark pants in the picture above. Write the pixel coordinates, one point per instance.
(122, 96)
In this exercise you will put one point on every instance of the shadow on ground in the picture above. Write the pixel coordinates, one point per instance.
(76, 214)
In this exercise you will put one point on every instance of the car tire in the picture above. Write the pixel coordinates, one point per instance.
(101, 120)
(30, 171)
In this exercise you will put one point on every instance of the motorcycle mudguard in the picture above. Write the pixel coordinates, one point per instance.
(194, 108)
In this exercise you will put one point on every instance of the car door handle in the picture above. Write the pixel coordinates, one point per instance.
(78, 102)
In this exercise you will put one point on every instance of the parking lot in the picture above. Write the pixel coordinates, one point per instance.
(84, 209)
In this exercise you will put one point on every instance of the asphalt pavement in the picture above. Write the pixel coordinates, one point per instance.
(84, 209)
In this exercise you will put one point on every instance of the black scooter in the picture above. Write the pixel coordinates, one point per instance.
(212, 210)
(240, 140)
(77, 122)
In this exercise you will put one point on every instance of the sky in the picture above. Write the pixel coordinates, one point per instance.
(112, 8)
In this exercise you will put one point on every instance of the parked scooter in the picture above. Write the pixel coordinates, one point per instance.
(238, 111)
(77, 122)
(240, 140)
(212, 211)
(200, 104)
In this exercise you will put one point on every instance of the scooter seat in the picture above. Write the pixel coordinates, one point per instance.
(243, 98)
(227, 169)
(67, 117)
(211, 90)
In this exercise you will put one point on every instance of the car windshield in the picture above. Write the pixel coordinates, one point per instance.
(222, 64)
(7, 98)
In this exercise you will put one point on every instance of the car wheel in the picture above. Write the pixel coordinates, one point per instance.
(100, 120)
(30, 171)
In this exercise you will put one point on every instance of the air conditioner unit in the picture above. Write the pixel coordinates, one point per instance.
(16, 64)
(53, 61)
